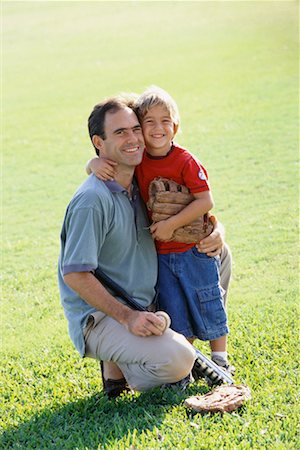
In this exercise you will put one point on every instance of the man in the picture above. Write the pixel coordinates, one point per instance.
(106, 225)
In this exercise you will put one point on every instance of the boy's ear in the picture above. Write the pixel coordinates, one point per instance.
(176, 126)
(97, 142)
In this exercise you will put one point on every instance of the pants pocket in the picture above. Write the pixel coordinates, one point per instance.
(212, 307)
(89, 326)
(92, 322)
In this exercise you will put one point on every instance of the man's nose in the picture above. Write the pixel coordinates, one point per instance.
(132, 136)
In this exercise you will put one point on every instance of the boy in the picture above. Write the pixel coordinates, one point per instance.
(188, 283)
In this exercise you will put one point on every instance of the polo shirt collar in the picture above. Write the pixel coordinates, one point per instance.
(113, 186)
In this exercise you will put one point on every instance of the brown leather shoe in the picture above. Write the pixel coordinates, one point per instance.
(113, 388)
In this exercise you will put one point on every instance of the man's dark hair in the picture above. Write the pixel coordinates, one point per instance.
(112, 105)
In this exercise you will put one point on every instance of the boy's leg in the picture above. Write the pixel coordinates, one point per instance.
(199, 278)
(219, 345)
(171, 297)
(146, 362)
(219, 351)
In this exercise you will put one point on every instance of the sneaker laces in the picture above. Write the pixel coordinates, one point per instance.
(224, 364)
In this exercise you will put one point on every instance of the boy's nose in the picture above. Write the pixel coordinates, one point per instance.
(158, 125)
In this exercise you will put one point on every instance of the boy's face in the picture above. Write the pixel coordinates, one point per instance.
(159, 130)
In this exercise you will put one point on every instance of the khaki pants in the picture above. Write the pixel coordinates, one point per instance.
(225, 269)
(146, 362)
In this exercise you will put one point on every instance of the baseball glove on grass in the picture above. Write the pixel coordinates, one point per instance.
(167, 198)
(225, 398)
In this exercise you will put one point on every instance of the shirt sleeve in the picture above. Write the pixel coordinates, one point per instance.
(195, 176)
(85, 232)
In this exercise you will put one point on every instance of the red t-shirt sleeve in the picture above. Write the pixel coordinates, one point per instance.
(195, 176)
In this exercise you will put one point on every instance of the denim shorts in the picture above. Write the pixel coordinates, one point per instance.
(189, 291)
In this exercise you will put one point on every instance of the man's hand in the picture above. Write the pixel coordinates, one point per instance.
(144, 323)
(212, 244)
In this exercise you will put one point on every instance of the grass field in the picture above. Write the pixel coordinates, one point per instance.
(233, 69)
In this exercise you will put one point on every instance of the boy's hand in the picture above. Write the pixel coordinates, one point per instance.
(162, 231)
(104, 169)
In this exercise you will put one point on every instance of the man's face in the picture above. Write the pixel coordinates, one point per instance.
(124, 141)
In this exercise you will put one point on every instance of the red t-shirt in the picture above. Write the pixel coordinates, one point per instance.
(180, 166)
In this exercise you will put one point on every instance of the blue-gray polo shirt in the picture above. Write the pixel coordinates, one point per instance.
(103, 227)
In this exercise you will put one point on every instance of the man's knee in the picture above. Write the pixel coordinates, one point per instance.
(181, 359)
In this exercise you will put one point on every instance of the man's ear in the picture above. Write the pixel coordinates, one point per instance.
(97, 142)
(176, 126)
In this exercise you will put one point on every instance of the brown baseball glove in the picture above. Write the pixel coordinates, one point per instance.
(225, 398)
(167, 198)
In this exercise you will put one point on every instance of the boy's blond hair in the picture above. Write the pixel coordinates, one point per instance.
(154, 96)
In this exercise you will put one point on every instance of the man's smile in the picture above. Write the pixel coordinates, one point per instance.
(131, 149)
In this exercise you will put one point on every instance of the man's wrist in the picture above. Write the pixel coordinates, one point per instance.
(124, 316)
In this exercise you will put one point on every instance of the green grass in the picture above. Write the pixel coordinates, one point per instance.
(233, 69)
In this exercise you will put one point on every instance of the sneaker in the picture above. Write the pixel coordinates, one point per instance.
(180, 385)
(224, 365)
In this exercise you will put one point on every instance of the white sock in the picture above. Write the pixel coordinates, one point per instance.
(222, 355)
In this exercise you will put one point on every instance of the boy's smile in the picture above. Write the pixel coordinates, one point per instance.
(159, 130)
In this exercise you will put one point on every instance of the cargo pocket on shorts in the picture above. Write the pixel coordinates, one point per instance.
(212, 307)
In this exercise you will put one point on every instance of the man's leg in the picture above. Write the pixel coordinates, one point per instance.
(111, 371)
(225, 270)
(146, 362)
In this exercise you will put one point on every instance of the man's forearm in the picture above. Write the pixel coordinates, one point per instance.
(95, 294)
(140, 323)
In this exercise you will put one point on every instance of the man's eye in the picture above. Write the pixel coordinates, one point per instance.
(120, 133)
